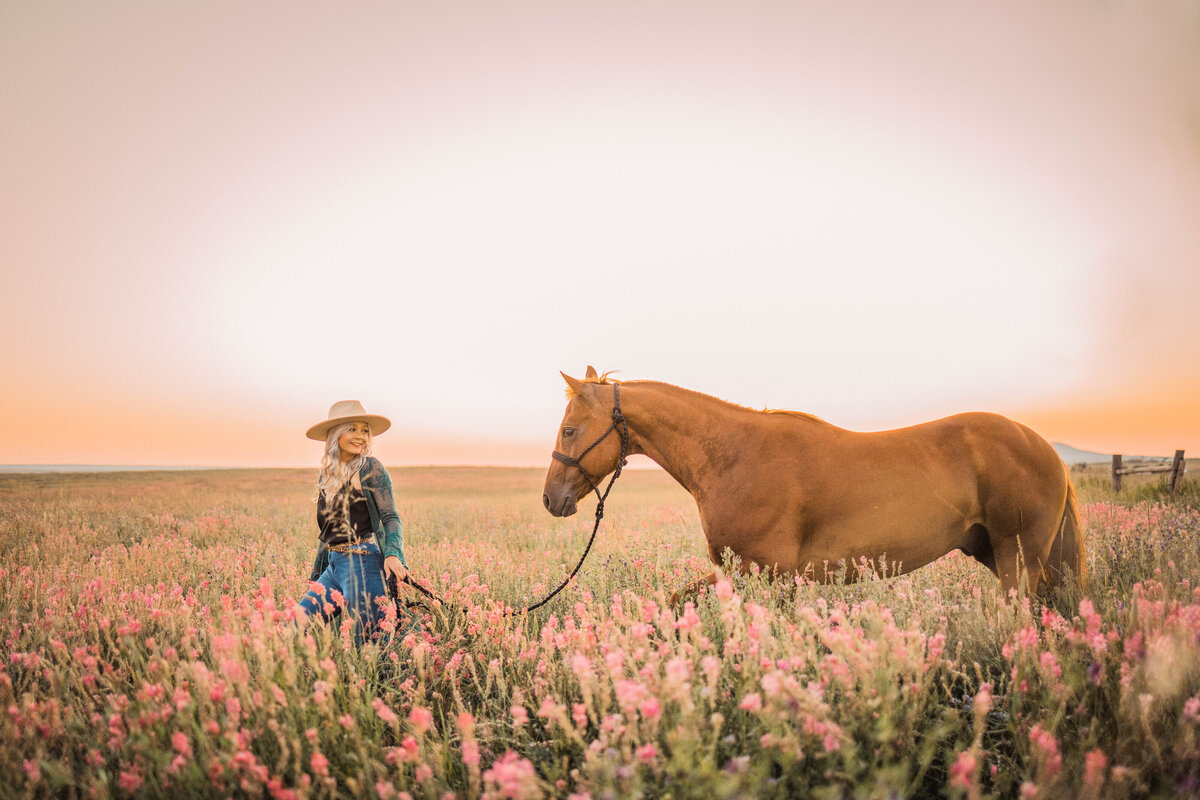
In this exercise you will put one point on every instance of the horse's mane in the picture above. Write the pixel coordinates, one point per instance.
(603, 379)
(801, 414)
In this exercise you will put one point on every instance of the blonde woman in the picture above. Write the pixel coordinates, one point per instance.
(361, 539)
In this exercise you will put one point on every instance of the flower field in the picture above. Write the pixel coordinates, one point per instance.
(148, 649)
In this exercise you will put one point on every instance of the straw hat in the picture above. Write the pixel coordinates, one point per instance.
(347, 411)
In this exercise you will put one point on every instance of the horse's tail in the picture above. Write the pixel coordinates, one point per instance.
(1067, 550)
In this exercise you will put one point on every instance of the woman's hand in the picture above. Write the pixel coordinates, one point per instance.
(394, 567)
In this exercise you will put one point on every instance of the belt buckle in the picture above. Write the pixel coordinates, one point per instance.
(355, 549)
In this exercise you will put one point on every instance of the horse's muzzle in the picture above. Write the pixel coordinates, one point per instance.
(560, 504)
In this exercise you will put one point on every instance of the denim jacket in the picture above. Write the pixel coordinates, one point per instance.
(389, 533)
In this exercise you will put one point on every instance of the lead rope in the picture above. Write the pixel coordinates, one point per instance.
(621, 426)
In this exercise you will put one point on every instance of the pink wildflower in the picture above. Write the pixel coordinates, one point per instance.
(179, 741)
(650, 708)
(129, 780)
(1093, 623)
(647, 753)
(629, 693)
(1191, 709)
(962, 771)
(1051, 619)
(512, 777)
(420, 718)
(1088, 612)
(384, 712)
(520, 716)
(723, 589)
(1047, 748)
(470, 752)
(689, 620)
(549, 709)
(1027, 637)
(385, 790)
(407, 752)
(1094, 765)
(581, 666)
(320, 764)
(751, 702)
(983, 700)
(678, 671)
(936, 645)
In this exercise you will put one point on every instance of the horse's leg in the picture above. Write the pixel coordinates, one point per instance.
(978, 546)
(1007, 554)
(1021, 547)
(693, 588)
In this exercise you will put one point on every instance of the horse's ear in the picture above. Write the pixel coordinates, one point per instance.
(577, 387)
(591, 373)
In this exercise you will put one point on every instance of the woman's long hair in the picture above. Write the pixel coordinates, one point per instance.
(334, 473)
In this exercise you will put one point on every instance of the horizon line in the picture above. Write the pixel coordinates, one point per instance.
(18, 468)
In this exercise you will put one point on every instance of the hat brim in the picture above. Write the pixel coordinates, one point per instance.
(378, 425)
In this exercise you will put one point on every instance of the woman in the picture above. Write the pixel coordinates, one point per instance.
(360, 532)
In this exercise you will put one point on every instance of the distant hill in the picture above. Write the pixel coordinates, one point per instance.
(1070, 455)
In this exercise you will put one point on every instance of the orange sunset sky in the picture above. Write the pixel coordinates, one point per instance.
(221, 217)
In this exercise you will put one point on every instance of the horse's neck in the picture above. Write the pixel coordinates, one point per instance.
(690, 435)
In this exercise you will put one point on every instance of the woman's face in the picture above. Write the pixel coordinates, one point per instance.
(353, 442)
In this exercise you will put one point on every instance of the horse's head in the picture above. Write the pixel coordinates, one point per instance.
(588, 446)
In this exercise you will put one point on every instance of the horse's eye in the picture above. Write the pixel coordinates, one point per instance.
(567, 432)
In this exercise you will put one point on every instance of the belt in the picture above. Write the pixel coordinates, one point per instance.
(352, 548)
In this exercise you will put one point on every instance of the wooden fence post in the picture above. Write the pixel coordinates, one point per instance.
(1175, 471)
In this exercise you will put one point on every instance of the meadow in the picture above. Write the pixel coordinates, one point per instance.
(147, 648)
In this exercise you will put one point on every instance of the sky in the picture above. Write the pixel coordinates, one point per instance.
(219, 218)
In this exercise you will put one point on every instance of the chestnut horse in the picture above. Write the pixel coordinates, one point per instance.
(790, 492)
